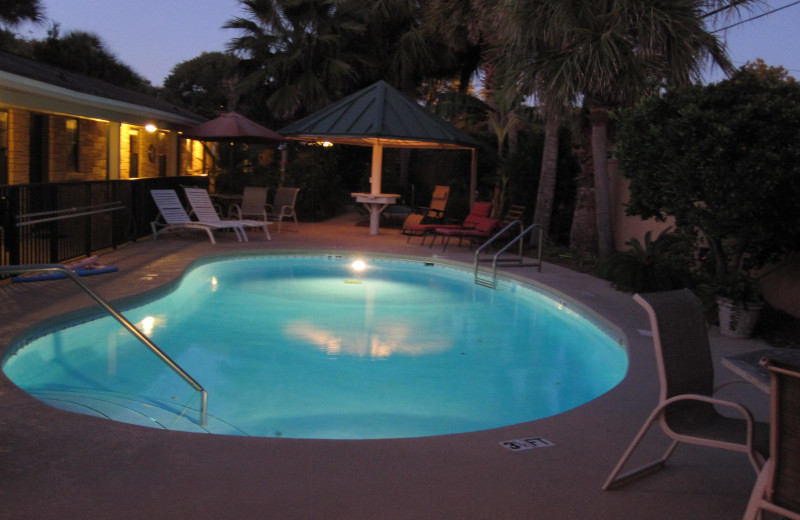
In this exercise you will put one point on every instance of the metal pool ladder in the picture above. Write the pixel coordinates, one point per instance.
(518, 260)
(42, 268)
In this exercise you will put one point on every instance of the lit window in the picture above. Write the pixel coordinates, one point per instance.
(73, 145)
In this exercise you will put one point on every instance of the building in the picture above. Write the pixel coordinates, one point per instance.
(59, 126)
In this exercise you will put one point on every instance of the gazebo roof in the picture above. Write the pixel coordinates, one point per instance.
(379, 114)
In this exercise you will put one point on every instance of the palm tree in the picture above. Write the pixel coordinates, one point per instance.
(464, 27)
(14, 12)
(612, 52)
(301, 47)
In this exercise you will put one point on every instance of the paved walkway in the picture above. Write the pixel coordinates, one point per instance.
(59, 465)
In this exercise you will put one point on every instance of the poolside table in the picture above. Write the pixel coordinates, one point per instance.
(375, 204)
(748, 365)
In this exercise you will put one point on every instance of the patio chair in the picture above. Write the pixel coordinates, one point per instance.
(283, 207)
(434, 213)
(484, 228)
(204, 210)
(686, 409)
(413, 227)
(174, 217)
(254, 205)
(777, 488)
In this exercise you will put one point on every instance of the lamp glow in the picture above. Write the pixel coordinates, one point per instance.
(147, 325)
(150, 127)
(358, 265)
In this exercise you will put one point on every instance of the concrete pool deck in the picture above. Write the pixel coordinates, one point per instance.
(60, 465)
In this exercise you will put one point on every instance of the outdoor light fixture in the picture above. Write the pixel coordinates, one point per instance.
(150, 127)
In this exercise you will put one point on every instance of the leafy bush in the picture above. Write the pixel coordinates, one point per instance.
(723, 160)
(657, 265)
(315, 170)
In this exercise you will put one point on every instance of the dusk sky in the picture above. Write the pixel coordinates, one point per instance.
(152, 36)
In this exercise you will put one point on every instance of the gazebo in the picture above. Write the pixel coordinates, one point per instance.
(380, 116)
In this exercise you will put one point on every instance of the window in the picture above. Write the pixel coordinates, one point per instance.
(162, 154)
(133, 160)
(73, 145)
(3, 146)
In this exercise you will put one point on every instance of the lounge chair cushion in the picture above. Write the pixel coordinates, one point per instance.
(484, 227)
(485, 224)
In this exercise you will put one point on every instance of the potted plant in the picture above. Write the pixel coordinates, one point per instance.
(739, 303)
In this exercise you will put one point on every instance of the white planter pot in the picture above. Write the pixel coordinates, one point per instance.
(736, 320)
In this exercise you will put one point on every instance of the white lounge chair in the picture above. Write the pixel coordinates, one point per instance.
(283, 207)
(686, 409)
(174, 217)
(204, 210)
(254, 205)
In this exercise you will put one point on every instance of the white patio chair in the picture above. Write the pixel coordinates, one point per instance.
(254, 204)
(174, 217)
(203, 209)
(283, 207)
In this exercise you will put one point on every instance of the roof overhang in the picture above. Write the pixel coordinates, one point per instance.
(30, 94)
(392, 142)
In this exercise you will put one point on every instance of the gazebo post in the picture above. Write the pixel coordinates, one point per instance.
(377, 169)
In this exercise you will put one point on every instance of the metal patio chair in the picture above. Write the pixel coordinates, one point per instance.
(777, 488)
(253, 206)
(686, 409)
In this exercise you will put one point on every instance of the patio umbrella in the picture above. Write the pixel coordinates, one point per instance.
(380, 116)
(232, 127)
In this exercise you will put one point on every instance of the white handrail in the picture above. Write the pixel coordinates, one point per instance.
(61, 214)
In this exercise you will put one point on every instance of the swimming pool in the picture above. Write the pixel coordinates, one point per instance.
(308, 347)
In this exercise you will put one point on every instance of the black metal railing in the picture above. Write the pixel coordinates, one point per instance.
(53, 223)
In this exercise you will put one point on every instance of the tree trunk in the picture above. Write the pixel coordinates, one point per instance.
(583, 233)
(546, 192)
(602, 191)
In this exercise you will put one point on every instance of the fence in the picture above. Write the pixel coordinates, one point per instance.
(52, 223)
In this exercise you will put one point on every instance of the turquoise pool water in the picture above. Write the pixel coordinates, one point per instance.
(308, 347)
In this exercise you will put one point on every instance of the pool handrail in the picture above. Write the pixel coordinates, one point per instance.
(43, 268)
(519, 261)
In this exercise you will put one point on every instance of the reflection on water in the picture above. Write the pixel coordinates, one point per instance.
(380, 341)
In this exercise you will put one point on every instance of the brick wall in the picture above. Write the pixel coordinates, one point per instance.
(19, 124)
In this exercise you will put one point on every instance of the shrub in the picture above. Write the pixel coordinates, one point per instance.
(657, 265)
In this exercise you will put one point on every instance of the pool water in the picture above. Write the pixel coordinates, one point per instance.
(307, 347)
